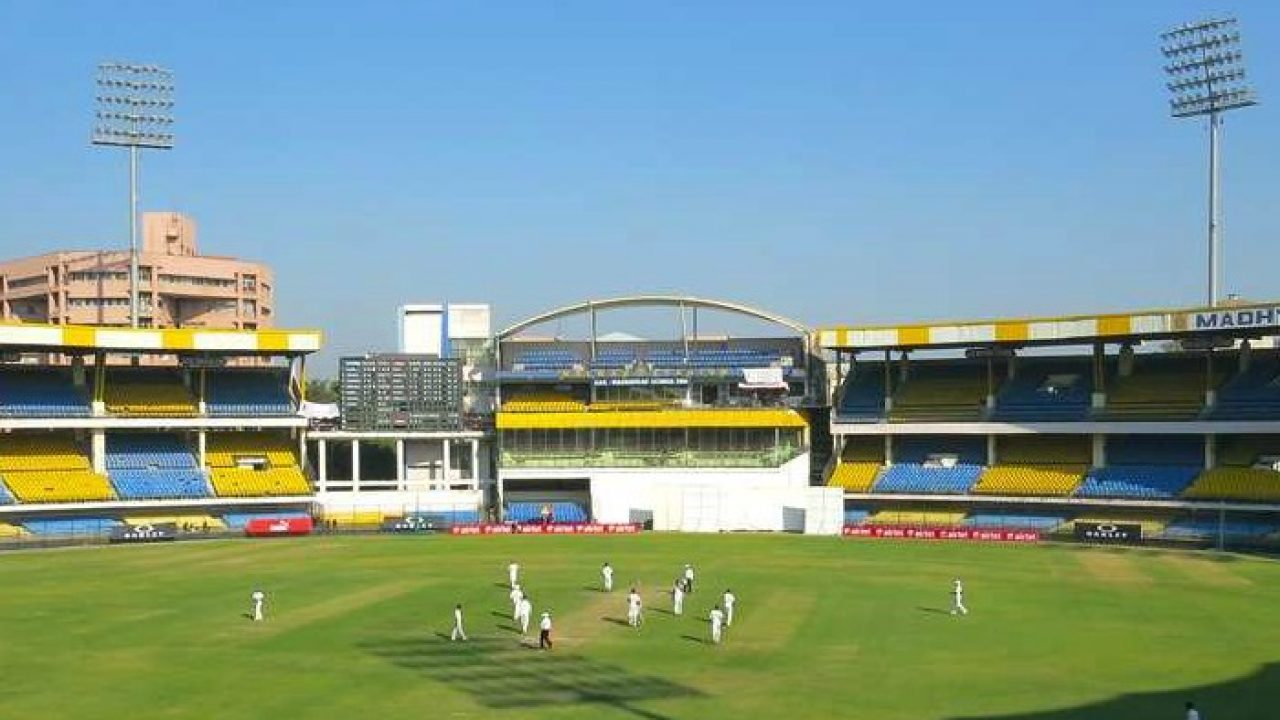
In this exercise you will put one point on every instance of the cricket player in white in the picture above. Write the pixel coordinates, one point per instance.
(606, 574)
(633, 608)
(957, 598)
(677, 597)
(458, 632)
(516, 596)
(717, 622)
(258, 596)
(729, 600)
(688, 578)
(526, 610)
(513, 573)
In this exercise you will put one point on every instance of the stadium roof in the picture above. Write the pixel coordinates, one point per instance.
(1243, 320)
(56, 338)
(670, 419)
(678, 301)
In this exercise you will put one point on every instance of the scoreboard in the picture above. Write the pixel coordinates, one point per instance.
(401, 392)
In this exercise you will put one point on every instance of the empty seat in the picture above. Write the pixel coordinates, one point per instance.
(247, 393)
(137, 393)
(70, 526)
(1046, 391)
(41, 393)
(560, 510)
(1138, 481)
(910, 478)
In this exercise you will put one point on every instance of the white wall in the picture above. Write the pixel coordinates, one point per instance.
(420, 328)
(392, 502)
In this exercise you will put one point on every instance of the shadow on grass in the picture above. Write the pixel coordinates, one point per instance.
(616, 621)
(933, 610)
(1249, 697)
(503, 675)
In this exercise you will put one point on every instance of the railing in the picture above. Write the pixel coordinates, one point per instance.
(640, 459)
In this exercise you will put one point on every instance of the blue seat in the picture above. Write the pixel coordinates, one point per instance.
(1034, 393)
(992, 520)
(532, 511)
(70, 526)
(1206, 529)
(40, 393)
(915, 478)
(446, 518)
(237, 521)
(1251, 395)
(1138, 481)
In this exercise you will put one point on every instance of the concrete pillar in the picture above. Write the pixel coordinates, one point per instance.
(991, 450)
(475, 462)
(1099, 450)
(400, 464)
(202, 447)
(445, 458)
(1210, 452)
(888, 449)
(98, 450)
(355, 466)
(322, 449)
(302, 448)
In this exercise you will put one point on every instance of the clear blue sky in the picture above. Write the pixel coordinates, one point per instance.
(832, 161)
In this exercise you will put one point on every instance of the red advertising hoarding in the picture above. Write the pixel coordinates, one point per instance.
(896, 532)
(266, 527)
(550, 529)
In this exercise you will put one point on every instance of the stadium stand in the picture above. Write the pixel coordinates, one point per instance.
(5, 497)
(254, 465)
(8, 531)
(1000, 520)
(561, 511)
(49, 467)
(203, 523)
(544, 359)
(862, 397)
(1053, 390)
(543, 401)
(148, 393)
(1246, 471)
(40, 393)
(893, 516)
(856, 516)
(353, 518)
(70, 526)
(1145, 467)
(1202, 529)
(247, 393)
(1158, 388)
(931, 464)
(1253, 394)
(1036, 465)
(860, 464)
(614, 358)
(935, 392)
(720, 358)
(153, 466)
(237, 520)
(445, 518)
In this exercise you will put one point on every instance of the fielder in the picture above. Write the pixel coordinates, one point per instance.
(526, 610)
(516, 596)
(729, 600)
(717, 623)
(513, 573)
(258, 596)
(688, 578)
(957, 599)
(544, 636)
(606, 574)
(458, 632)
(633, 609)
(677, 597)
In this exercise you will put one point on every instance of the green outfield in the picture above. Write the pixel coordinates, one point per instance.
(826, 628)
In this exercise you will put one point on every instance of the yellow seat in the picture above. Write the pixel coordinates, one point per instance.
(199, 522)
(148, 396)
(48, 486)
(855, 476)
(354, 517)
(247, 482)
(12, 531)
(1030, 480)
(1236, 483)
(916, 517)
(543, 401)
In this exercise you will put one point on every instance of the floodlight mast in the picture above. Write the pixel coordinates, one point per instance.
(1206, 77)
(134, 110)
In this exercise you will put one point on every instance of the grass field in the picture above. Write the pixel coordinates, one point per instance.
(826, 628)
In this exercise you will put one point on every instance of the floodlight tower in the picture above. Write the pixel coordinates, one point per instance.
(1206, 77)
(134, 110)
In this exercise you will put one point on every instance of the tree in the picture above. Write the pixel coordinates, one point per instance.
(321, 390)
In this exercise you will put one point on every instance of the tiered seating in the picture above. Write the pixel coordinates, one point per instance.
(40, 393)
(253, 393)
(1046, 391)
(543, 401)
(1236, 483)
(148, 394)
(916, 517)
(8, 531)
(1202, 529)
(532, 511)
(992, 520)
(1160, 388)
(1036, 465)
(445, 518)
(1253, 394)
(856, 516)
(546, 359)
(193, 523)
(49, 467)
(722, 358)
(863, 395)
(924, 464)
(5, 497)
(860, 464)
(237, 521)
(353, 518)
(612, 358)
(933, 479)
(254, 465)
(1146, 467)
(70, 526)
(153, 466)
(936, 393)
